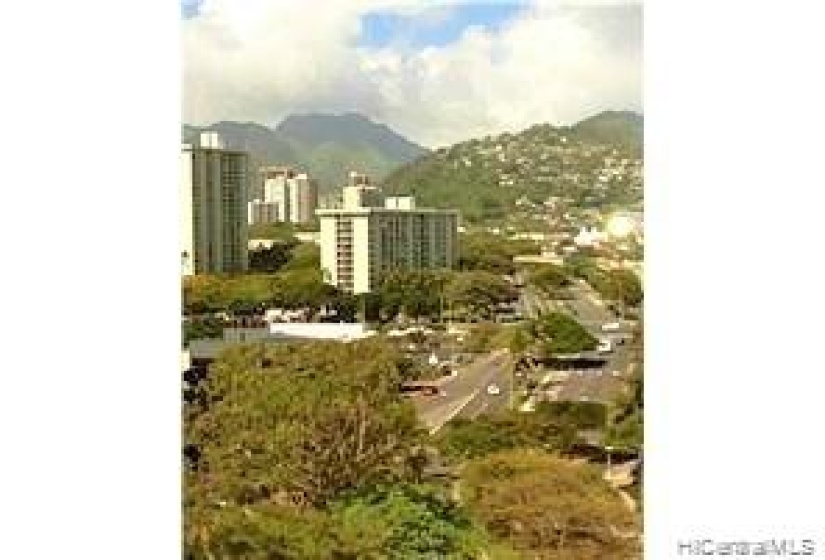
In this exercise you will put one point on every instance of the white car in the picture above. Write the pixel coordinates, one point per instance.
(605, 346)
(610, 327)
(493, 389)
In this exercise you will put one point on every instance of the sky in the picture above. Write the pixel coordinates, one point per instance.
(437, 72)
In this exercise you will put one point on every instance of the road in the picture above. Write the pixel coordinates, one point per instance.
(465, 394)
(587, 308)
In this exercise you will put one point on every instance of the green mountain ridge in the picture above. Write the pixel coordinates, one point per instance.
(597, 162)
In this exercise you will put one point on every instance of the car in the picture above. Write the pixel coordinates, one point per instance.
(493, 389)
(605, 346)
(608, 327)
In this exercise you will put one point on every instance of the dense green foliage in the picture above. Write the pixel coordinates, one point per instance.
(619, 286)
(552, 426)
(402, 522)
(302, 287)
(308, 451)
(409, 522)
(413, 293)
(492, 253)
(317, 420)
(304, 256)
(557, 333)
(263, 531)
(550, 279)
(273, 258)
(440, 182)
(549, 508)
(581, 415)
(437, 294)
(477, 293)
(211, 327)
(468, 439)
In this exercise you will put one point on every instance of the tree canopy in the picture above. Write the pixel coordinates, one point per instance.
(415, 293)
(557, 333)
(549, 508)
(478, 293)
(306, 451)
(409, 522)
(468, 439)
(549, 278)
(294, 288)
(318, 419)
(492, 253)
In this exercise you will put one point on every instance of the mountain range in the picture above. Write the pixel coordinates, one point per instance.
(325, 146)
(482, 177)
(594, 163)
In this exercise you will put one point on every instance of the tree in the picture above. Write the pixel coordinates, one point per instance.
(202, 328)
(625, 287)
(302, 287)
(401, 521)
(620, 286)
(548, 507)
(468, 439)
(557, 333)
(416, 293)
(273, 258)
(304, 256)
(262, 532)
(578, 415)
(319, 419)
(484, 251)
(478, 293)
(408, 522)
(549, 278)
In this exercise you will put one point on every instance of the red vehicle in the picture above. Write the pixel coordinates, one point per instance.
(423, 388)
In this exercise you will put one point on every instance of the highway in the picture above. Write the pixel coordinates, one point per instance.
(586, 307)
(465, 394)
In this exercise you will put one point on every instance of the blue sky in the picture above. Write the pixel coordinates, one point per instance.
(412, 65)
(189, 8)
(436, 26)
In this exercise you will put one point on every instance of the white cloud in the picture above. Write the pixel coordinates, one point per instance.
(261, 60)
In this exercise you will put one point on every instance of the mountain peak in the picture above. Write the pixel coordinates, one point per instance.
(327, 146)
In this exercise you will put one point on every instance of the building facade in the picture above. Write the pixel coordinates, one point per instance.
(214, 186)
(361, 244)
(287, 197)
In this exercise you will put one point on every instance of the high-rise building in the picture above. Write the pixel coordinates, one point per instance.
(214, 183)
(303, 199)
(287, 197)
(363, 241)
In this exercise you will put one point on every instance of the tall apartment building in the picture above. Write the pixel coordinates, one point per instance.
(214, 184)
(370, 236)
(287, 197)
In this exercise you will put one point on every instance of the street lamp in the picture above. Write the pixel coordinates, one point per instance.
(609, 449)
